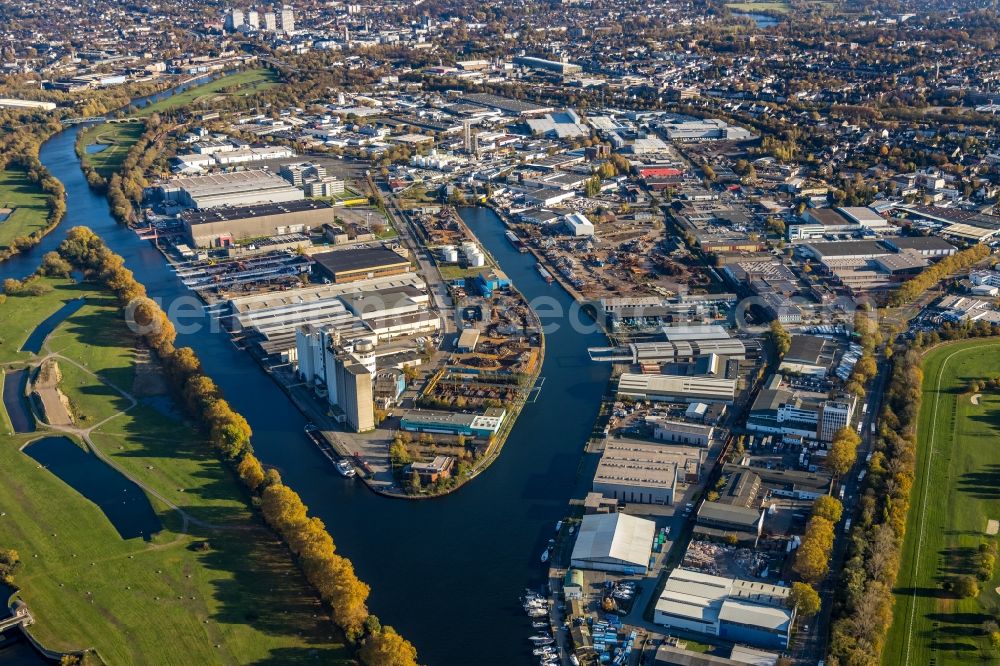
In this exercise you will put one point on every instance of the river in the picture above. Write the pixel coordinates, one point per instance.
(445, 572)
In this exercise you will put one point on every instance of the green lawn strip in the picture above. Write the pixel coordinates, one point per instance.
(164, 602)
(246, 83)
(20, 315)
(750, 7)
(29, 204)
(174, 459)
(958, 458)
(118, 137)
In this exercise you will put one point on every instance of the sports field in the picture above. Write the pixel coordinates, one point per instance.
(956, 494)
(213, 586)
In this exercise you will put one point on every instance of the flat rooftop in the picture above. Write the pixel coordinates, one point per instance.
(227, 214)
(347, 261)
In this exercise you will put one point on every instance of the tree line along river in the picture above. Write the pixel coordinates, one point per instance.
(446, 572)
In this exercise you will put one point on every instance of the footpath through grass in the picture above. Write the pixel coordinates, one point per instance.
(23, 206)
(956, 493)
(113, 141)
(238, 600)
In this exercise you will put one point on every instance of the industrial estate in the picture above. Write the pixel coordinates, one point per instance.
(592, 333)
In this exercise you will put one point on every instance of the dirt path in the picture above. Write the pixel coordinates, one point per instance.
(84, 434)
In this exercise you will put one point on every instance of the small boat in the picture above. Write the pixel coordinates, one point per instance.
(545, 556)
(541, 639)
(345, 469)
(537, 612)
(539, 625)
(558, 526)
(545, 649)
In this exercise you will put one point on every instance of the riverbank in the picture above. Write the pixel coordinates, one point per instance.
(205, 582)
(539, 257)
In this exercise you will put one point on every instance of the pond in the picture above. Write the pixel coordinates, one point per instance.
(122, 501)
(16, 403)
(34, 342)
(96, 148)
(762, 20)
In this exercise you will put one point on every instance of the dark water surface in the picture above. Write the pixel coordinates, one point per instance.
(122, 501)
(34, 342)
(15, 402)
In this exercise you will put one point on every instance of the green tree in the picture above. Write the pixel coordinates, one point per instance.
(804, 599)
(780, 338)
(828, 507)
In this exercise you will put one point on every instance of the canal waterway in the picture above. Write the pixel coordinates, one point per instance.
(445, 572)
(15, 402)
(123, 502)
(34, 342)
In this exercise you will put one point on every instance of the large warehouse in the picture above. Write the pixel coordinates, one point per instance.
(673, 388)
(360, 264)
(239, 188)
(645, 473)
(220, 227)
(614, 542)
(737, 610)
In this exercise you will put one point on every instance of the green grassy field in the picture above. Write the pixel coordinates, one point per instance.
(27, 201)
(245, 83)
(751, 7)
(956, 492)
(32, 311)
(118, 137)
(239, 601)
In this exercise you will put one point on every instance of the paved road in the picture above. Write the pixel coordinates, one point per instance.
(426, 265)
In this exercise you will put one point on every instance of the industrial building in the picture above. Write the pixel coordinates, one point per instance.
(393, 312)
(237, 188)
(645, 472)
(670, 352)
(707, 129)
(614, 542)
(681, 432)
(720, 521)
(736, 610)
(557, 66)
(9, 103)
(273, 317)
(669, 388)
(350, 265)
(483, 425)
(342, 371)
(577, 224)
(779, 411)
(222, 227)
(809, 355)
